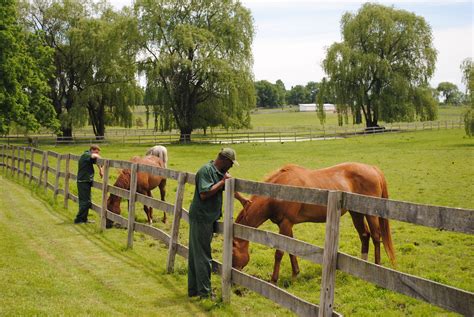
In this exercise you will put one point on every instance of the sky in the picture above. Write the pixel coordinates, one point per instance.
(292, 36)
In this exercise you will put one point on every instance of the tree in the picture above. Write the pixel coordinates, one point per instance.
(297, 94)
(382, 66)
(312, 89)
(450, 92)
(25, 65)
(93, 58)
(199, 54)
(281, 92)
(467, 67)
(106, 86)
(268, 94)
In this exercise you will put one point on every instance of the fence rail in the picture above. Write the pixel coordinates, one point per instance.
(14, 160)
(148, 137)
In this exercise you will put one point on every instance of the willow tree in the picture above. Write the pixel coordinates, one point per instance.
(198, 52)
(25, 66)
(94, 60)
(382, 66)
(107, 88)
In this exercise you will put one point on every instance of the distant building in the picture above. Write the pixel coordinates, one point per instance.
(305, 107)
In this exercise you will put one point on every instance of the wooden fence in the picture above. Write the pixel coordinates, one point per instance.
(21, 161)
(148, 137)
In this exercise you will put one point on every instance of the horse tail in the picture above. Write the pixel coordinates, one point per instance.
(385, 227)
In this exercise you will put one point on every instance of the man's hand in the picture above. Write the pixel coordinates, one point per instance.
(101, 172)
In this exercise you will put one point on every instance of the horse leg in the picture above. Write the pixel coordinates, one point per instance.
(162, 187)
(150, 209)
(376, 235)
(363, 231)
(286, 229)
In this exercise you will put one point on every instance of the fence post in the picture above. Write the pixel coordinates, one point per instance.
(3, 157)
(40, 178)
(32, 158)
(177, 212)
(13, 161)
(24, 163)
(18, 169)
(66, 181)
(46, 165)
(331, 243)
(131, 204)
(56, 180)
(228, 237)
(105, 183)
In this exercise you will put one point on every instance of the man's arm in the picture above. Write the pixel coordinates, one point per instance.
(95, 156)
(214, 189)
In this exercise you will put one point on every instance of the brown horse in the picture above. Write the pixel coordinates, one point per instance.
(145, 184)
(349, 177)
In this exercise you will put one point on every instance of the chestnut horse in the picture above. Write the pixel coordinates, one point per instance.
(349, 177)
(145, 184)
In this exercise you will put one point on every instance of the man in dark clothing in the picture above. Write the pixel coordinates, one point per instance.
(85, 178)
(206, 208)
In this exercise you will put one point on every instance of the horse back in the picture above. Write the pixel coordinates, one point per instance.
(350, 177)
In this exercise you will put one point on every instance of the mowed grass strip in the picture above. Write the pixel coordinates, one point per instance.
(50, 266)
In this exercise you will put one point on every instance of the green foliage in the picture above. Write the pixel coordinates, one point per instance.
(94, 58)
(298, 94)
(450, 92)
(199, 54)
(467, 68)
(385, 57)
(25, 67)
(268, 94)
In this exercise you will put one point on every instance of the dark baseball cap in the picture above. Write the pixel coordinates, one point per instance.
(229, 153)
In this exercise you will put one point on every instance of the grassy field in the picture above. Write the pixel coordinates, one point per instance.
(287, 119)
(430, 167)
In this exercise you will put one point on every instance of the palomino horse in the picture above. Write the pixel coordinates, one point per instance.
(145, 184)
(349, 177)
(159, 151)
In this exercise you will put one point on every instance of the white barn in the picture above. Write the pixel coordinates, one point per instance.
(305, 107)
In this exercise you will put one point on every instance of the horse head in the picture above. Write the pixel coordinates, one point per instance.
(240, 248)
(113, 204)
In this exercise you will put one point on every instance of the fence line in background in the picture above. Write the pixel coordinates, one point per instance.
(148, 137)
(454, 219)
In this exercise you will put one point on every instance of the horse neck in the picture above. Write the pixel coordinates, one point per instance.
(123, 180)
(256, 214)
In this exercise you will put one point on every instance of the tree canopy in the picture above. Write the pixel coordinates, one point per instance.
(94, 59)
(25, 65)
(450, 93)
(198, 55)
(381, 68)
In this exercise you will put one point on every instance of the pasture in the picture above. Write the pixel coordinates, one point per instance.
(431, 167)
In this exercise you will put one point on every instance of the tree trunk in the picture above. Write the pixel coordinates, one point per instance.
(185, 135)
(66, 134)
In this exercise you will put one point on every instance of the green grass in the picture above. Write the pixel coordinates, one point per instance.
(287, 119)
(429, 167)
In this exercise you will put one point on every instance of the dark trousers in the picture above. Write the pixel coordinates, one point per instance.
(199, 260)
(84, 196)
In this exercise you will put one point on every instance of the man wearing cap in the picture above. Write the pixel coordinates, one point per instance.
(206, 208)
(85, 178)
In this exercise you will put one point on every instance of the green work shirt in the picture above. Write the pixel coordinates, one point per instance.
(209, 210)
(85, 168)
